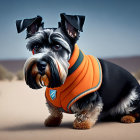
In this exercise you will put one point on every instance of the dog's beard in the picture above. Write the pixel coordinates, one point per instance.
(58, 70)
(54, 74)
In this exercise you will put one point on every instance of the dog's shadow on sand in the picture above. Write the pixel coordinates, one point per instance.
(36, 126)
(40, 126)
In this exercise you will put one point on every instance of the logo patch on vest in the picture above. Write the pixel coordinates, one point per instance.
(52, 94)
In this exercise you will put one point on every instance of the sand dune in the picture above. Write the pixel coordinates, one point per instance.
(23, 111)
(132, 64)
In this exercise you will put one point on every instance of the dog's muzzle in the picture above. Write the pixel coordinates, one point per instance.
(51, 71)
(46, 71)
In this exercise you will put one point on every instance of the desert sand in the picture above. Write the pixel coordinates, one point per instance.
(23, 111)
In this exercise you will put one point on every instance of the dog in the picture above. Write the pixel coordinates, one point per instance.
(91, 88)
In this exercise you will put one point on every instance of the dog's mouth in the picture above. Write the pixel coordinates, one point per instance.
(42, 79)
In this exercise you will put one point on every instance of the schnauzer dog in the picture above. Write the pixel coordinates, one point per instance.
(87, 86)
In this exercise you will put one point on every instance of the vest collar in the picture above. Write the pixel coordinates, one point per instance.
(75, 60)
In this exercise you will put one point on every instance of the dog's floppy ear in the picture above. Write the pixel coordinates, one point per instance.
(32, 25)
(73, 24)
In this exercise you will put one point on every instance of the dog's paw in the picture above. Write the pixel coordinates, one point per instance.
(53, 121)
(128, 119)
(87, 124)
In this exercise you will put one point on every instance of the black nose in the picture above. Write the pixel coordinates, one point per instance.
(41, 66)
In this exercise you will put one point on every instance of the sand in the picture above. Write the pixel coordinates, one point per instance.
(23, 111)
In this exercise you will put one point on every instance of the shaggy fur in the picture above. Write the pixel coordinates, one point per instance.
(119, 94)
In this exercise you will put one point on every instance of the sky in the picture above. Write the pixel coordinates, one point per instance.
(111, 28)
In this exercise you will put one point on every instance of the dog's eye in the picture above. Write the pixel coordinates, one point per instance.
(57, 47)
(36, 49)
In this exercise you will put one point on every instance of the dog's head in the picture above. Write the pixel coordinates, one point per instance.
(52, 49)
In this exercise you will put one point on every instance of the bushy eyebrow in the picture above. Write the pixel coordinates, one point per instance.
(39, 39)
(59, 38)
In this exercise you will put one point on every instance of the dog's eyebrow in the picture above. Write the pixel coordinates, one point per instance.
(37, 40)
(59, 38)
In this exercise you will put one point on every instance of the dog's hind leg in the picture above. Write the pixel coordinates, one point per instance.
(55, 117)
(133, 116)
(130, 118)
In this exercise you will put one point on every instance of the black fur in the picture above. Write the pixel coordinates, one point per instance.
(117, 83)
(32, 25)
(92, 98)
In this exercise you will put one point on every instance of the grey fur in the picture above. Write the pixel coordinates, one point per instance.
(48, 36)
(44, 40)
(124, 106)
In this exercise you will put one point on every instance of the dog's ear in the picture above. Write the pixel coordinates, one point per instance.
(32, 25)
(72, 24)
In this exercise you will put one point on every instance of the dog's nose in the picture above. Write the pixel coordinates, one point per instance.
(41, 67)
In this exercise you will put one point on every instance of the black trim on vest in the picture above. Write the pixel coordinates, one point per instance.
(77, 63)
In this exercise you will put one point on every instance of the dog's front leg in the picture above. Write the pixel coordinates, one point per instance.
(86, 119)
(55, 117)
(87, 116)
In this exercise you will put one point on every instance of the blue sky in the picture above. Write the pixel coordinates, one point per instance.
(111, 29)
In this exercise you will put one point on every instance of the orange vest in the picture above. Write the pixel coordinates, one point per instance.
(84, 77)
